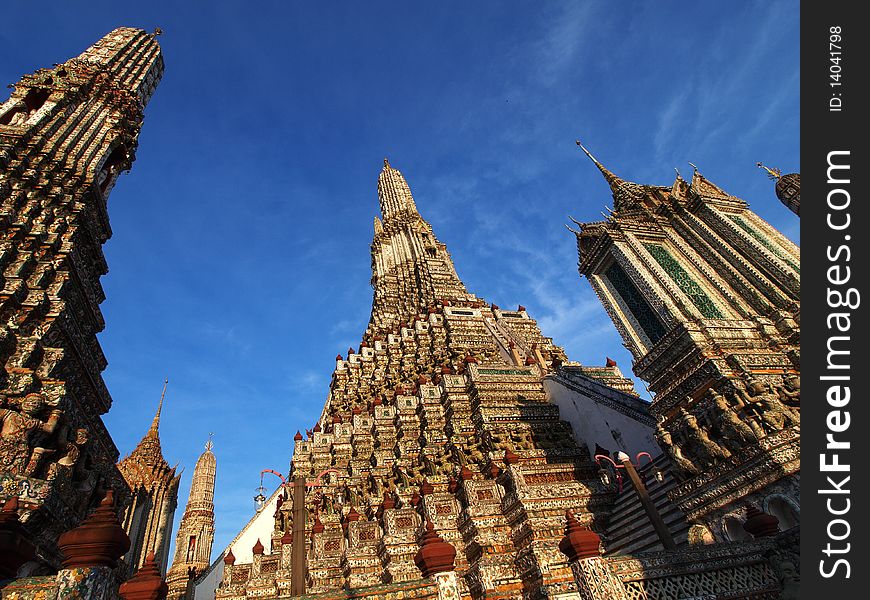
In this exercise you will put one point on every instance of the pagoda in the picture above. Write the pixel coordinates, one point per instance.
(706, 296)
(66, 135)
(148, 517)
(437, 431)
(195, 533)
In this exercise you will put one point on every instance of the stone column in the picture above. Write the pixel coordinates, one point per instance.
(596, 581)
(448, 586)
(93, 583)
(287, 550)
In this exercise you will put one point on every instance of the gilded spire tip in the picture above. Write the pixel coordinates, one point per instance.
(771, 173)
(386, 163)
(209, 444)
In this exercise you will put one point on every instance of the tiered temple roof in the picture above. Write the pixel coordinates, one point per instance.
(154, 485)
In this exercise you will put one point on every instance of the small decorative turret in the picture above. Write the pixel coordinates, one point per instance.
(788, 187)
(435, 555)
(579, 541)
(146, 585)
(98, 541)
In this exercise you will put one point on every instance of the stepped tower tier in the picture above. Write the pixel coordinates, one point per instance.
(411, 270)
(705, 295)
(439, 415)
(196, 531)
(154, 485)
(66, 134)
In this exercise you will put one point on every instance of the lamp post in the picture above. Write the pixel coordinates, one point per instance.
(260, 498)
(641, 491)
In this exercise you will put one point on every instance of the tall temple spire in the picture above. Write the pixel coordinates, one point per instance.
(442, 387)
(148, 518)
(394, 193)
(196, 531)
(411, 269)
(67, 133)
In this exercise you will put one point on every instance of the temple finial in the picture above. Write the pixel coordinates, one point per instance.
(611, 178)
(157, 31)
(209, 444)
(607, 174)
(772, 173)
(155, 424)
(386, 163)
(621, 189)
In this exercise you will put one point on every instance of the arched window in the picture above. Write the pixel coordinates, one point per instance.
(733, 526)
(111, 168)
(191, 548)
(783, 510)
(22, 110)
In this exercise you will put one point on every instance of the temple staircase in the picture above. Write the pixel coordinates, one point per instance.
(629, 530)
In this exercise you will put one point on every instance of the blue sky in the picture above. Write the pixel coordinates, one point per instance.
(240, 262)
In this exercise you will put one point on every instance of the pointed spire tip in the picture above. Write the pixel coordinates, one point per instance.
(155, 424)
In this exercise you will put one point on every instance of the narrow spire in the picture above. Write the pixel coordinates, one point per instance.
(210, 443)
(155, 424)
(393, 192)
(614, 181)
(622, 190)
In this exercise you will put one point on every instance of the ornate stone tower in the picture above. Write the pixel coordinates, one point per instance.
(440, 415)
(706, 297)
(66, 133)
(154, 484)
(196, 530)
(788, 188)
